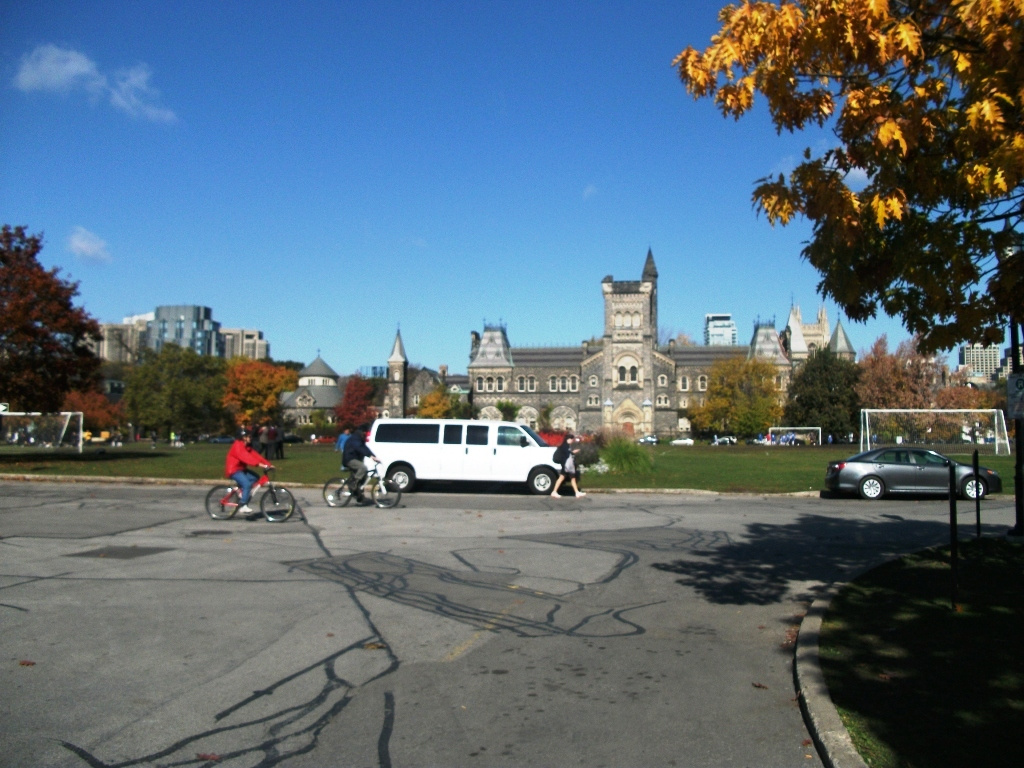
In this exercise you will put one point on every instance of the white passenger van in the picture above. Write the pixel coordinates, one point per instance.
(460, 449)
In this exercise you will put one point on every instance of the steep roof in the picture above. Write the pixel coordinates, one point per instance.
(797, 342)
(398, 352)
(766, 345)
(493, 350)
(840, 343)
(318, 368)
(650, 271)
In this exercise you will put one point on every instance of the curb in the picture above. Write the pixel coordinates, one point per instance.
(831, 738)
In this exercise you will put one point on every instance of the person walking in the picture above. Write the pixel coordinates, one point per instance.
(565, 455)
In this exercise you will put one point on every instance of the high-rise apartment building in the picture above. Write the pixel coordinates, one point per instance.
(982, 360)
(242, 342)
(719, 330)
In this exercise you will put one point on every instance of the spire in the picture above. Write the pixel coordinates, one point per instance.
(840, 343)
(650, 271)
(398, 353)
(797, 343)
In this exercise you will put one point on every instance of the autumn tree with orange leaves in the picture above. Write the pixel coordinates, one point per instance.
(253, 391)
(917, 208)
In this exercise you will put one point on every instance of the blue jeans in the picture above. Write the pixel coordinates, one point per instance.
(245, 480)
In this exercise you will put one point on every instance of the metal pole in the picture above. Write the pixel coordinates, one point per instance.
(953, 560)
(1018, 479)
(977, 498)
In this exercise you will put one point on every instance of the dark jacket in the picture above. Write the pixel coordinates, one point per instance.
(355, 448)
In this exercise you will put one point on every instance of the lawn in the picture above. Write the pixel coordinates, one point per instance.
(727, 469)
(918, 683)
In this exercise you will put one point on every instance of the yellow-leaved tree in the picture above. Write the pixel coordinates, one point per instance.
(917, 208)
(742, 398)
(254, 388)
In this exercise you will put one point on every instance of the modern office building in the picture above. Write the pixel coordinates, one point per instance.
(719, 330)
(186, 325)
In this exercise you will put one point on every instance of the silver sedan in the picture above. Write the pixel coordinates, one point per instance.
(894, 470)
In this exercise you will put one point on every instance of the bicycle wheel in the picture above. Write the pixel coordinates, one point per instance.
(222, 502)
(336, 492)
(277, 504)
(386, 494)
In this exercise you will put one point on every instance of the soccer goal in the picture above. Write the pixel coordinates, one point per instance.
(42, 430)
(795, 435)
(947, 431)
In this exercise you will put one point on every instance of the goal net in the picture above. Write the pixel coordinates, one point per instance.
(42, 430)
(795, 435)
(947, 431)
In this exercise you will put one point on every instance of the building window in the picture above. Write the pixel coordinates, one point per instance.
(702, 383)
(416, 400)
(662, 401)
(531, 384)
(684, 383)
(479, 383)
(593, 381)
(501, 383)
(563, 384)
(684, 402)
(593, 400)
(552, 384)
(490, 384)
(574, 384)
(521, 383)
(662, 380)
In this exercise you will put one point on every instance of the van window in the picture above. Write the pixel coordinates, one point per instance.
(509, 436)
(453, 434)
(476, 434)
(408, 433)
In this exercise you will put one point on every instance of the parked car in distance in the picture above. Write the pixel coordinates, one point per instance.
(293, 439)
(648, 440)
(222, 439)
(724, 440)
(896, 470)
(682, 441)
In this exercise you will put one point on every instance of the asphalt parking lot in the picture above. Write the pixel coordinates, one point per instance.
(455, 629)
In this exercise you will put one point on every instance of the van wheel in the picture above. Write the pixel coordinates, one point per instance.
(541, 481)
(403, 476)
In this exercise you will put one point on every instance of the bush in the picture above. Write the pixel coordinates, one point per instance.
(622, 455)
(589, 454)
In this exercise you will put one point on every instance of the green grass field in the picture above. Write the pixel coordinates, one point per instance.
(727, 469)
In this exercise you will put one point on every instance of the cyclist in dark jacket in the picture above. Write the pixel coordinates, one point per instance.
(352, 457)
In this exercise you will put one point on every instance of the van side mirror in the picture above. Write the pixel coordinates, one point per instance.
(523, 442)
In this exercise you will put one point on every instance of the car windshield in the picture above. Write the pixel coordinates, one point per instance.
(540, 441)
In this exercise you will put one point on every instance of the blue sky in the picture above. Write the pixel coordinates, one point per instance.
(327, 172)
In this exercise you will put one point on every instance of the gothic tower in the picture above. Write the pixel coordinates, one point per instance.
(398, 367)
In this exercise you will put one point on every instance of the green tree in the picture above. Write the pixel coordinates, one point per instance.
(823, 393)
(917, 207)
(509, 410)
(177, 390)
(741, 398)
(45, 339)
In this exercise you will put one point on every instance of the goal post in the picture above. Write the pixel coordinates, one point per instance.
(42, 430)
(794, 435)
(957, 430)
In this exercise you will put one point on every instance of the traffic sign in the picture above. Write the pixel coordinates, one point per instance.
(1015, 395)
(4, 407)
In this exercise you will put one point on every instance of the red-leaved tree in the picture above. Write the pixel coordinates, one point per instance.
(356, 406)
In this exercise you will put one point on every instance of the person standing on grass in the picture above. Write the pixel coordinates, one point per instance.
(565, 455)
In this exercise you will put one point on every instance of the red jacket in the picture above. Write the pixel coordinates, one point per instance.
(240, 456)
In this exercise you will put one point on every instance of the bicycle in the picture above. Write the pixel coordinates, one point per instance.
(277, 504)
(385, 493)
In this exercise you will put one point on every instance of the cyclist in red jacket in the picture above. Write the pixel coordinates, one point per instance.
(240, 457)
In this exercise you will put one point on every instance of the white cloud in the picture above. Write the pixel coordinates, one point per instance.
(61, 70)
(88, 247)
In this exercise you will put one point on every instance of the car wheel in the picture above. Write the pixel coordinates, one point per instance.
(871, 488)
(403, 476)
(973, 488)
(541, 481)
